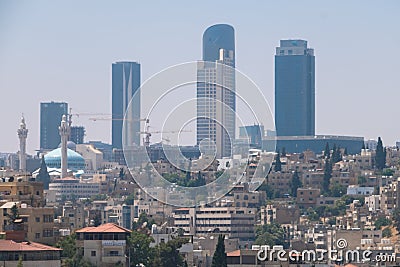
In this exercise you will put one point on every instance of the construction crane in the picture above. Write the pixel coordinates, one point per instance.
(147, 133)
(70, 114)
(116, 119)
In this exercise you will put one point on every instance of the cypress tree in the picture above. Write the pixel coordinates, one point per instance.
(327, 152)
(219, 258)
(283, 152)
(295, 184)
(278, 163)
(334, 154)
(380, 159)
(327, 175)
(43, 175)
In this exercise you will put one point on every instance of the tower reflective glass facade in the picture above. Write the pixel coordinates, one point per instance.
(50, 118)
(294, 89)
(216, 102)
(125, 82)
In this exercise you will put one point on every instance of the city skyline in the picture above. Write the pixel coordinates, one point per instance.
(346, 78)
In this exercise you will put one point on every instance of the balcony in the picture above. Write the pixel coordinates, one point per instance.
(113, 259)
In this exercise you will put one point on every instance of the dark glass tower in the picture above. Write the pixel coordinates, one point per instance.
(216, 81)
(294, 89)
(77, 134)
(50, 118)
(125, 82)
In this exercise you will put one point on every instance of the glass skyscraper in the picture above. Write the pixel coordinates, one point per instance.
(216, 103)
(125, 82)
(294, 89)
(50, 118)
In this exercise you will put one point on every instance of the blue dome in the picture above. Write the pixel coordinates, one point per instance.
(71, 145)
(75, 160)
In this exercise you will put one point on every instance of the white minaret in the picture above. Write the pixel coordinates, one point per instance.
(22, 135)
(65, 131)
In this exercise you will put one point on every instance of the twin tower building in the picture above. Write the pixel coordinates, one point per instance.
(216, 100)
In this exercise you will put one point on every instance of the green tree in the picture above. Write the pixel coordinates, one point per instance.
(269, 190)
(388, 172)
(13, 215)
(270, 234)
(139, 249)
(336, 154)
(283, 152)
(98, 197)
(121, 174)
(295, 183)
(71, 255)
(43, 175)
(362, 180)
(327, 176)
(396, 218)
(143, 221)
(380, 159)
(201, 180)
(129, 200)
(331, 221)
(312, 215)
(20, 261)
(97, 220)
(219, 258)
(337, 190)
(327, 151)
(387, 232)
(278, 163)
(167, 254)
(382, 221)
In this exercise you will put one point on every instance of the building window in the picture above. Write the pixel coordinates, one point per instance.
(47, 233)
(37, 235)
(47, 218)
(93, 253)
(37, 219)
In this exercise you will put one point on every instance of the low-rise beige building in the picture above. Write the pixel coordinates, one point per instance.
(31, 254)
(39, 221)
(105, 245)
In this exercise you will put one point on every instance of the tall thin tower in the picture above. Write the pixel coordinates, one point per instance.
(65, 131)
(22, 135)
(216, 101)
(125, 83)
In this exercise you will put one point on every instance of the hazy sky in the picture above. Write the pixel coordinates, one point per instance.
(63, 51)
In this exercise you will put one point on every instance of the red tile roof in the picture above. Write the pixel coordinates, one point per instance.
(235, 253)
(182, 209)
(104, 228)
(9, 245)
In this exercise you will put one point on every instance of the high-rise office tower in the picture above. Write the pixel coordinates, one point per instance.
(216, 103)
(125, 82)
(294, 89)
(50, 117)
(77, 134)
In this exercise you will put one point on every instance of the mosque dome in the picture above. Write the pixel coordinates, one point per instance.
(75, 160)
(71, 145)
